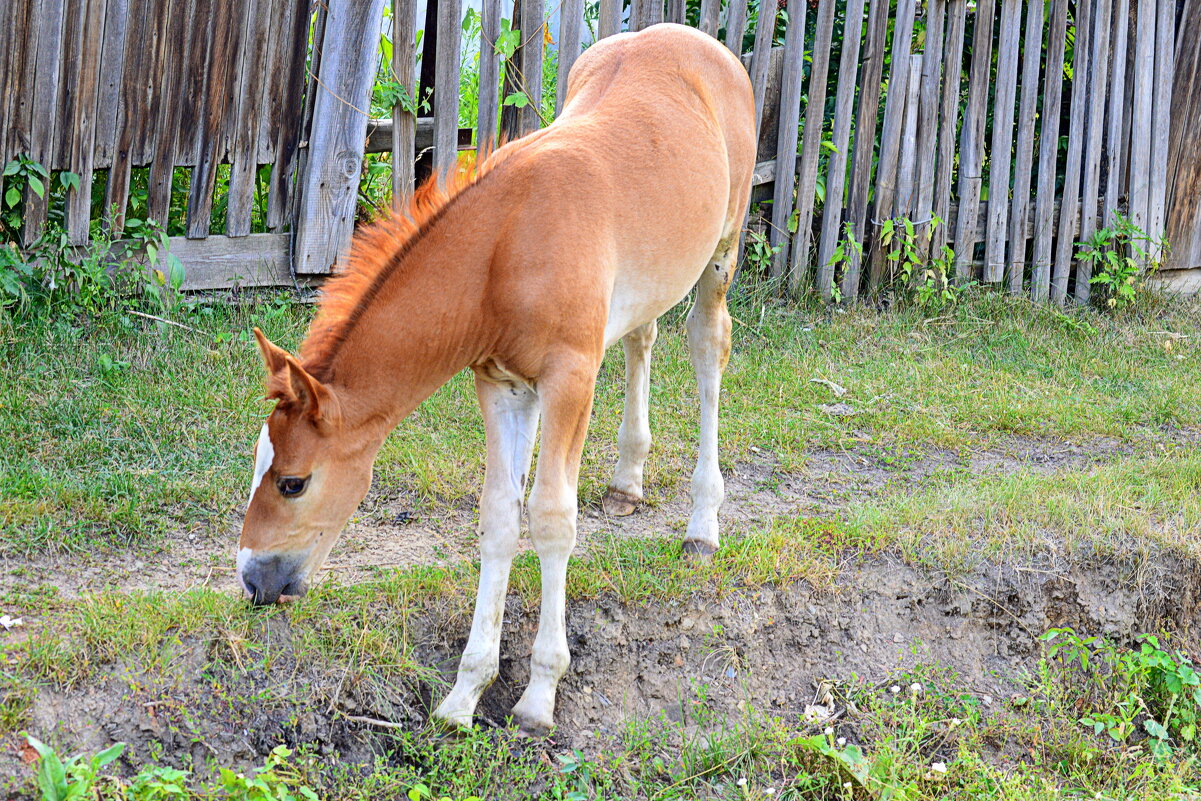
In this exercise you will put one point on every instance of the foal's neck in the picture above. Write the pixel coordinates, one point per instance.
(425, 324)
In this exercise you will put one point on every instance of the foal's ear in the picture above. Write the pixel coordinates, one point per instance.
(291, 385)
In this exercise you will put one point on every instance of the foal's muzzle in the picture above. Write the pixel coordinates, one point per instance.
(268, 576)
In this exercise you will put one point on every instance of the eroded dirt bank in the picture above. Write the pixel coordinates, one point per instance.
(770, 647)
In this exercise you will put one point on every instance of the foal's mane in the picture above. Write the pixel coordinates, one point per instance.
(376, 254)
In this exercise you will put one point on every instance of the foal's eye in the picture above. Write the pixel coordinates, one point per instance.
(292, 486)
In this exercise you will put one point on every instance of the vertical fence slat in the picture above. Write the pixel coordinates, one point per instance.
(1098, 79)
(1165, 63)
(18, 32)
(836, 168)
(49, 17)
(971, 146)
(1115, 146)
(735, 26)
(108, 98)
(172, 48)
(1001, 152)
(1142, 108)
(331, 178)
(927, 125)
(404, 68)
(529, 57)
(116, 196)
(815, 114)
(291, 117)
(609, 22)
(1048, 151)
(907, 162)
(786, 139)
(709, 19)
(948, 117)
(9, 30)
(571, 20)
(764, 29)
(83, 125)
(446, 84)
(865, 139)
(1024, 152)
(225, 43)
(890, 133)
(811, 145)
(70, 49)
(1184, 146)
(243, 155)
(676, 11)
(1069, 204)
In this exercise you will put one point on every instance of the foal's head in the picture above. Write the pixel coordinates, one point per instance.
(309, 475)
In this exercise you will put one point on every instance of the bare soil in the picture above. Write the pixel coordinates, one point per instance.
(773, 647)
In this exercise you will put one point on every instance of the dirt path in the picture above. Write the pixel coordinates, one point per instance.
(395, 530)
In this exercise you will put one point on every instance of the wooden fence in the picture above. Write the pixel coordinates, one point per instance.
(1023, 126)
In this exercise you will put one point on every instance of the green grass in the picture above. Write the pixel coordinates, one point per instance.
(120, 434)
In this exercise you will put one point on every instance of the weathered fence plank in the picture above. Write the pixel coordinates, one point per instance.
(1115, 147)
(1048, 150)
(446, 86)
(971, 146)
(907, 161)
(1024, 150)
(330, 183)
(1165, 64)
(116, 197)
(735, 25)
(815, 113)
(1001, 152)
(1091, 186)
(291, 117)
(529, 59)
(836, 168)
(947, 119)
(1184, 147)
(764, 28)
(404, 69)
(865, 140)
(1069, 205)
(570, 26)
(81, 143)
(48, 17)
(609, 22)
(927, 124)
(1142, 108)
(890, 133)
(172, 48)
(710, 13)
(244, 152)
(786, 139)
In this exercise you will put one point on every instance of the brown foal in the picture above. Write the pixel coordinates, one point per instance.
(561, 244)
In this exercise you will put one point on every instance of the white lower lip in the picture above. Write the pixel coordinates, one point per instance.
(243, 557)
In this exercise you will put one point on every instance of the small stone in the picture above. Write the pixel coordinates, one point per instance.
(986, 699)
(687, 624)
(587, 690)
(898, 637)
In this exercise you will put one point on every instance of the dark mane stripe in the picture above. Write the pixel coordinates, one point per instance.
(376, 252)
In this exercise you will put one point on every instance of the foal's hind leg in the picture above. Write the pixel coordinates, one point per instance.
(709, 350)
(634, 436)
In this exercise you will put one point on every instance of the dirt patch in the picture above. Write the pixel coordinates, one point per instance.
(396, 529)
(770, 647)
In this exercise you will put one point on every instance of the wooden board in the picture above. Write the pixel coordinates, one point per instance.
(1069, 204)
(735, 25)
(1001, 152)
(221, 262)
(948, 130)
(786, 139)
(404, 69)
(1141, 109)
(609, 21)
(330, 183)
(1048, 150)
(46, 58)
(815, 112)
(865, 139)
(890, 136)
(1024, 150)
(836, 172)
(81, 141)
(971, 143)
(1184, 148)
(244, 150)
(761, 58)
(529, 57)
(1165, 63)
(1091, 188)
(710, 13)
(570, 28)
(927, 124)
(446, 86)
(1116, 148)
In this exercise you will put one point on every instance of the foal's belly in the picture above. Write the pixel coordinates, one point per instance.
(642, 295)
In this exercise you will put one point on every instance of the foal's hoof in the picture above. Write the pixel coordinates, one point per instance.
(699, 551)
(619, 504)
(531, 729)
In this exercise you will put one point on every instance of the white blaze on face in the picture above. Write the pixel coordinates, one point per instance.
(264, 456)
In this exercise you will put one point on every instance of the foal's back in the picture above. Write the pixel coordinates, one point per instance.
(642, 181)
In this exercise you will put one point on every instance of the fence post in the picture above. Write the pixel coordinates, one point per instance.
(404, 121)
(329, 186)
(1184, 146)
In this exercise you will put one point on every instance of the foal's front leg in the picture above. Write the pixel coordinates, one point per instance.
(511, 422)
(566, 400)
